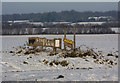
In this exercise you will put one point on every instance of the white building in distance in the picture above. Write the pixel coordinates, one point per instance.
(19, 21)
(98, 18)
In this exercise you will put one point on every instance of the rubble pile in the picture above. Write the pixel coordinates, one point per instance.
(64, 58)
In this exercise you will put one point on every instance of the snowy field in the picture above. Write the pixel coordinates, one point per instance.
(77, 70)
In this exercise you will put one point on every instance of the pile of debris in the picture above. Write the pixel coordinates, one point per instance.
(27, 51)
(97, 57)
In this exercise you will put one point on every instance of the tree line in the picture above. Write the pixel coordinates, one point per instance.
(25, 29)
(67, 16)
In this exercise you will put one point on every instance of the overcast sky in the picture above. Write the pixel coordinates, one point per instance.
(39, 7)
(60, 0)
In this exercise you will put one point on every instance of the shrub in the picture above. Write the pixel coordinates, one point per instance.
(64, 63)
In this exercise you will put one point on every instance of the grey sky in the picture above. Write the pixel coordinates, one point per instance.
(38, 7)
(60, 0)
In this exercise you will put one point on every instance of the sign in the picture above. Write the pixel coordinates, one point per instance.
(68, 43)
(57, 43)
(36, 41)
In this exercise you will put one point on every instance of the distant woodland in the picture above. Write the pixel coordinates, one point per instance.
(66, 16)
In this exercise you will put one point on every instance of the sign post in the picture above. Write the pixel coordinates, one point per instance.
(69, 43)
(64, 38)
(74, 38)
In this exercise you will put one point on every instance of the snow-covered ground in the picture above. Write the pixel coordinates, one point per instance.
(14, 68)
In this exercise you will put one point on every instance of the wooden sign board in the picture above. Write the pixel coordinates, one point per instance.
(36, 41)
(68, 43)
